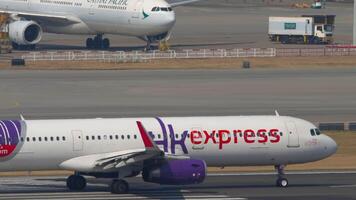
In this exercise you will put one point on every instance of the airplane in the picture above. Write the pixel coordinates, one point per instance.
(149, 20)
(166, 151)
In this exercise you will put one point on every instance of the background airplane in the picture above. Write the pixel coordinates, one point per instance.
(149, 20)
(174, 150)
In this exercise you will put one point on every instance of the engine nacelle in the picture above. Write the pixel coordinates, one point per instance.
(176, 172)
(25, 32)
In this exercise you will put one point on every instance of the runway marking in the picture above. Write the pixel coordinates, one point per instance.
(106, 195)
(342, 186)
(274, 173)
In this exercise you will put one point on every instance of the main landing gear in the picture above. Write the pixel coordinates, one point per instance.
(98, 42)
(119, 187)
(77, 183)
(281, 181)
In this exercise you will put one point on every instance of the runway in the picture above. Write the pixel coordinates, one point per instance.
(318, 95)
(229, 187)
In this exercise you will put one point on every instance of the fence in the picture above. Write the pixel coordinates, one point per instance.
(140, 56)
(316, 52)
(121, 56)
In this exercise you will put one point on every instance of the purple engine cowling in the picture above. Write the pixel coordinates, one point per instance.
(177, 172)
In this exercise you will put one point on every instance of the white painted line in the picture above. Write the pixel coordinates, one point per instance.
(212, 197)
(342, 186)
(274, 173)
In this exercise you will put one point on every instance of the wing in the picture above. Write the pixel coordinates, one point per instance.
(45, 18)
(182, 3)
(113, 161)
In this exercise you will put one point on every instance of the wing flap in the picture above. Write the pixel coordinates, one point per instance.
(116, 160)
(61, 19)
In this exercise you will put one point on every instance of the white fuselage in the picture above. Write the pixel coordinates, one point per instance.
(219, 141)
(123, 17)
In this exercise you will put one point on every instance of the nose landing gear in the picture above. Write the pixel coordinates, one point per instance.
(281, 180)
(98, 42)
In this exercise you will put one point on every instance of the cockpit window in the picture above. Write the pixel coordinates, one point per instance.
(317, 131)
(312, 132)
(164, 9)
(155, 9)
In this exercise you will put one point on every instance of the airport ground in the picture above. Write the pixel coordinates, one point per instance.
(222, 24)
(333, 62)
(303, 185)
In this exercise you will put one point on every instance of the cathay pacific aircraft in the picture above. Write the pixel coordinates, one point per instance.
(150, 20)
(172, 150)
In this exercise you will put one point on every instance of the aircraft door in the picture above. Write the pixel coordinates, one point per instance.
(91, 9)
(137, 11)
(77, 140)
(293, 136)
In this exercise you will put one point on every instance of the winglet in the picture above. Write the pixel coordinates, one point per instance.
(22, 118)
(277, 114)
(147, 141)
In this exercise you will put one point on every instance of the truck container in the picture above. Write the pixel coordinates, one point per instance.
(307, 29)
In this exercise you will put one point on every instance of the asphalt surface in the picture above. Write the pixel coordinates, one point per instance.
(228, 187)
(221, 24)
(325, 95)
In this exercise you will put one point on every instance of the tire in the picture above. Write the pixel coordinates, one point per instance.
(119, 187)
(98, 43)
(282, 182)
(106, 43)
(76, 183)
(90, 43)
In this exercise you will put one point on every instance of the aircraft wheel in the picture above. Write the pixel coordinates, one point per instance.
(119, 187)
(98, 43)
(76, 182)
(282, 182)
(90, 43)
(106, 43)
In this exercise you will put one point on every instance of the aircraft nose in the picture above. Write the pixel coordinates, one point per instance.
(168, 20)
(330, 145)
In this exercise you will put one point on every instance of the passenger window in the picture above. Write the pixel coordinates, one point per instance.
(64, 138)
(122, 137)
(45, 139)
(110, 137)
(159, 136)
(34, 139)
(116, 137)
(99, 138)
(312, 132)
(51, 138)
(128, 136)
(39, 139)
(135, 137)
(87, 137)
(57, 138)
(22, 139)
(317, 132)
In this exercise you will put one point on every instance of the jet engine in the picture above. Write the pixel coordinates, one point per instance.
(25, 32)
(176, 172)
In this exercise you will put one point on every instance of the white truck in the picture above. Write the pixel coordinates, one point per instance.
(307, 29)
